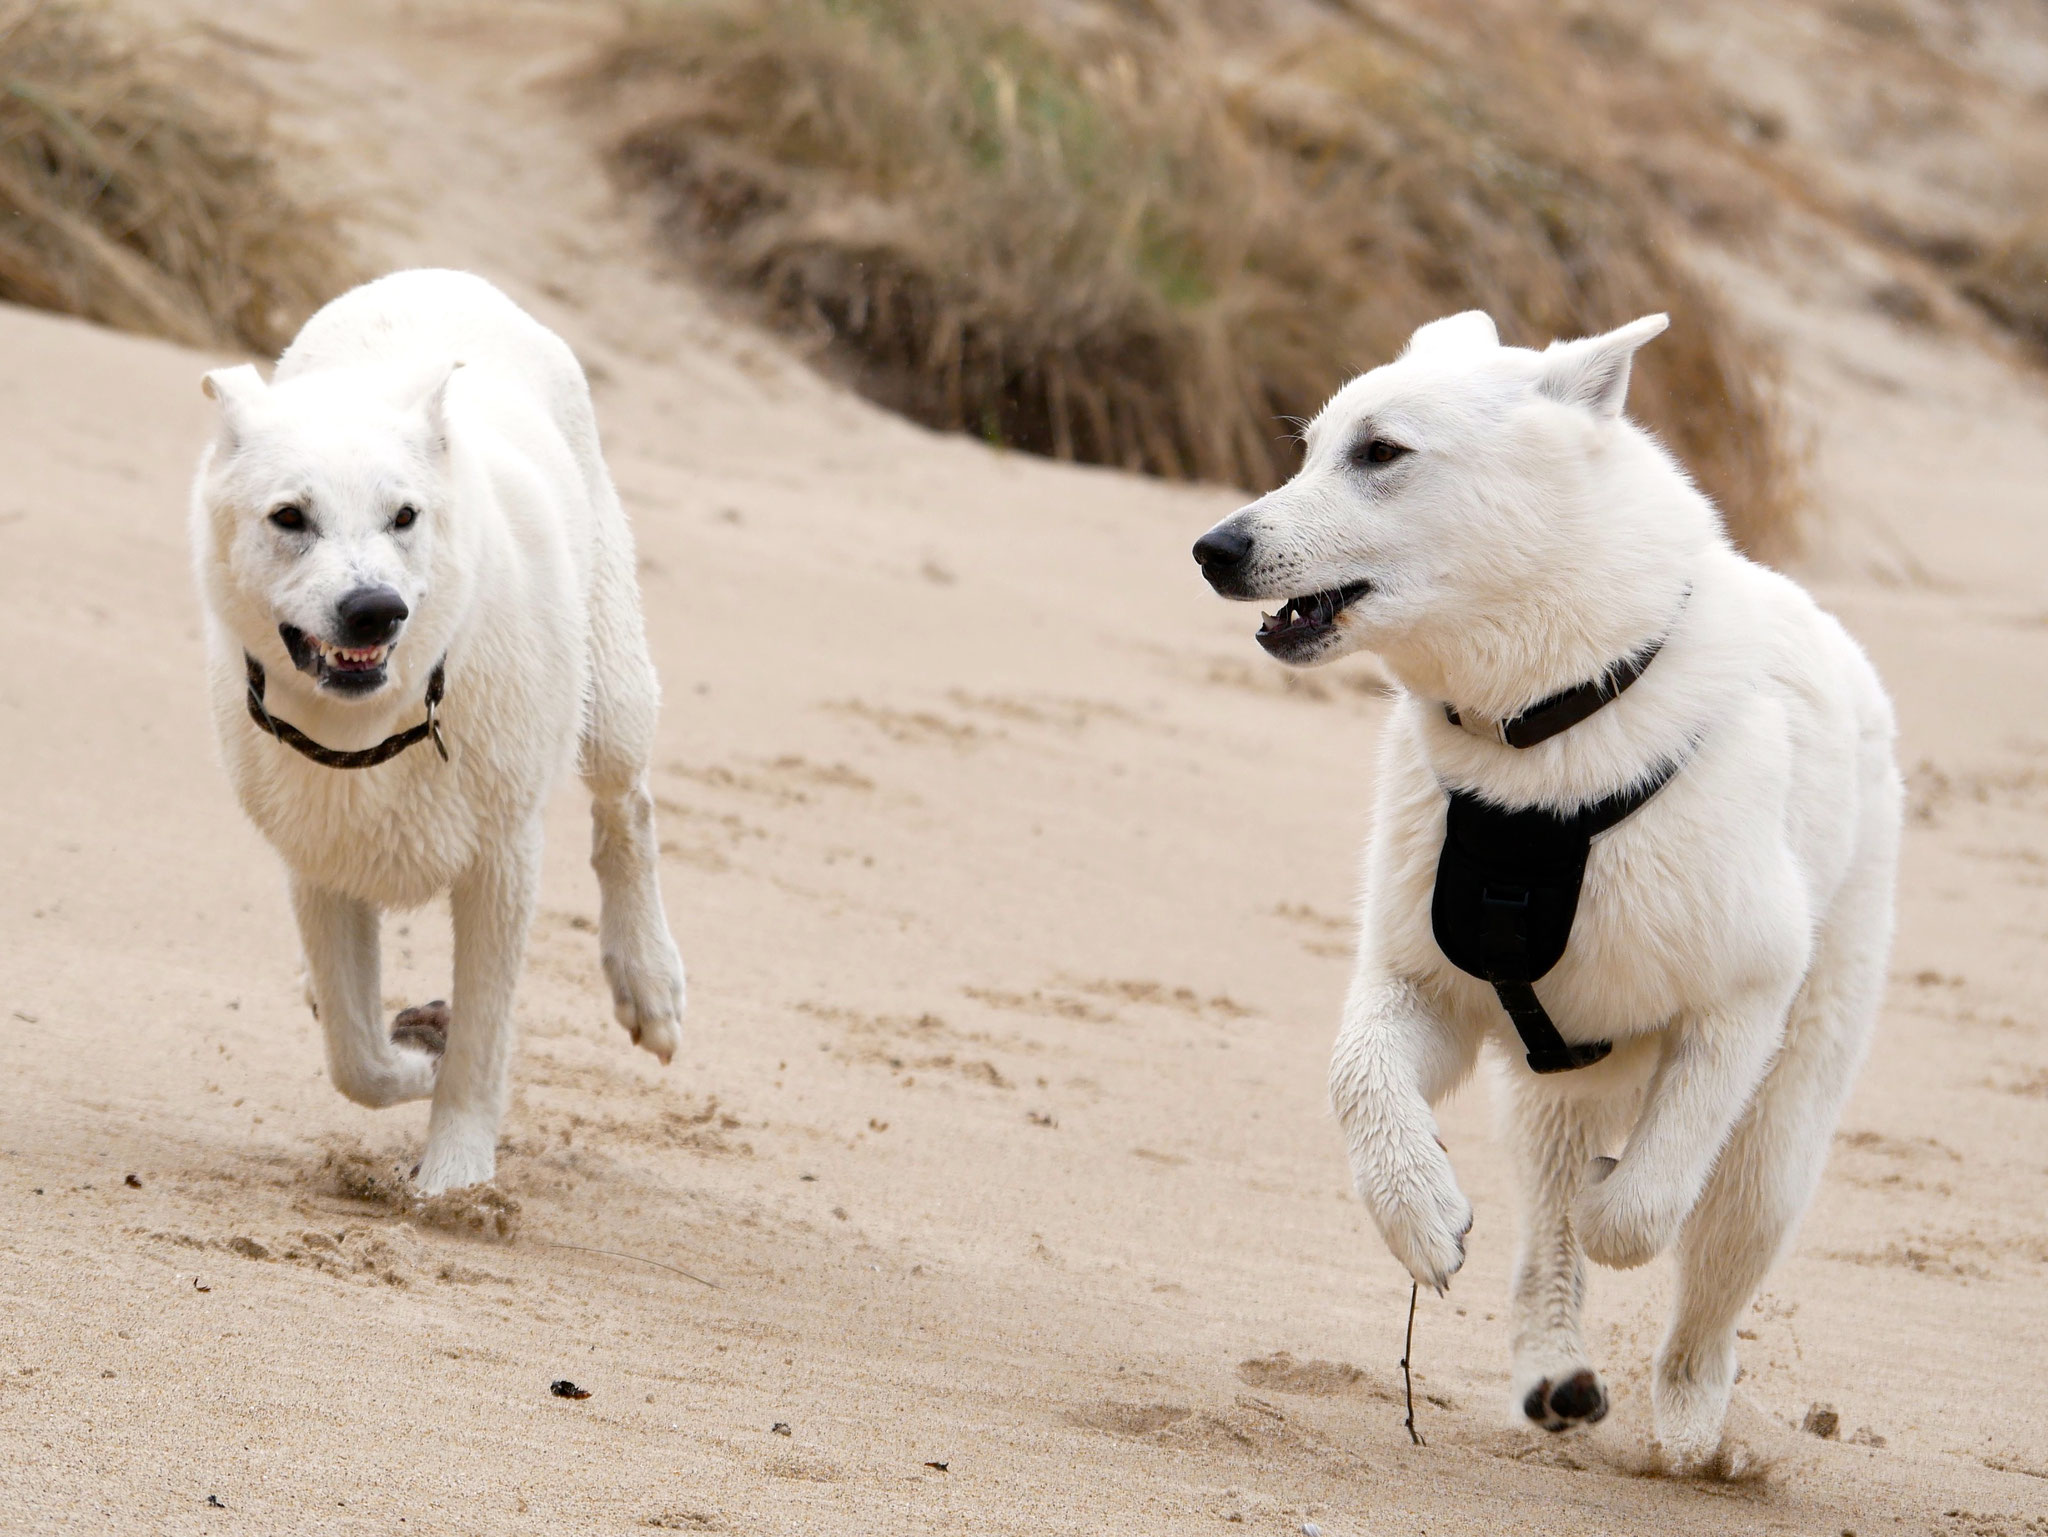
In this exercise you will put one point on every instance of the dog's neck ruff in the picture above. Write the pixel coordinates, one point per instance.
(1565, 709)
(1507, 881)
(362, 757)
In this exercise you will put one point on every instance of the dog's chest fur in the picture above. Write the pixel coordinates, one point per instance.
(398, 834)
(1718, 882)
(1640, 943)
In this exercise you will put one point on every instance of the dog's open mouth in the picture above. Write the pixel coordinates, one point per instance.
(1303, 623)
(344, 669)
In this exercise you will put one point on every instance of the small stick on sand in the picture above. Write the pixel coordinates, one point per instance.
(657, 1264)
(1407, 1377)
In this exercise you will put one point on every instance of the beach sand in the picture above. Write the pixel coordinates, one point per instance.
(994, 1189)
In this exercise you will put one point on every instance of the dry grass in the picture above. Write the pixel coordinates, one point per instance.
(1136, 239)
(127, 198)
(2010, 283)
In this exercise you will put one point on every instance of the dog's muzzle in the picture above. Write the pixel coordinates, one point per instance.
(366, 626)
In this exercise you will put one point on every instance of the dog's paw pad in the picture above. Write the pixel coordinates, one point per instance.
(1577, 1400)
(424, 1027)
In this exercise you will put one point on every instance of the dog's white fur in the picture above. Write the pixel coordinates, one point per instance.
(433, 390)
(1732, 935)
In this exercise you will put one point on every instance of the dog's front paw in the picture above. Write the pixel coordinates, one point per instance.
(454, 1162)
(1624, 1220)
(1423, 1217)
(647, 994)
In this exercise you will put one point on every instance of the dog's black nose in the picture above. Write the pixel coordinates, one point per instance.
(1223, 548)
(1221, 553)
(369, 616)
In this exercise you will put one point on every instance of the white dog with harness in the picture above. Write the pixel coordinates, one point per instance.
(421, 609)
(1637, 822)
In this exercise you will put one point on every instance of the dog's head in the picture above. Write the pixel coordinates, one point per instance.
(322, 502)
(1432, 488)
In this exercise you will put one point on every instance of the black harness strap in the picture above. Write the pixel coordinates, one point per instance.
(362, 757)
(1507, 881)
(1507, 891)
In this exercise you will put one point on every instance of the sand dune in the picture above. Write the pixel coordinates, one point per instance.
(1012, 882)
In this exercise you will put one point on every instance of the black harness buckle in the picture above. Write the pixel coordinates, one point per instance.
(1532, 1022)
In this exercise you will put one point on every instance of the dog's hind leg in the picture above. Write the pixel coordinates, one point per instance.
(1555, 1133)
(1765, 1177)
(492, 906)
(640, 958)
(344, 983)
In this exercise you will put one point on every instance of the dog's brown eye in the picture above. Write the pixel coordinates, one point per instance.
(407, 516)
(289, 518)
(1380, 451)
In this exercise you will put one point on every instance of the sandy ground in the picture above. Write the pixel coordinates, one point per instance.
(1012, 881)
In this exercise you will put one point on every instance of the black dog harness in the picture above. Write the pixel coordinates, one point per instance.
(1507, 882)
(362, 757)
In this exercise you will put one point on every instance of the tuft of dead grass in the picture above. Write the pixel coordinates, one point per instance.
(2010, 282)
(1135, 239)
(130, 195)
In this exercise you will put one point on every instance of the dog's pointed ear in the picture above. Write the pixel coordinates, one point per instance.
(1594, 372)
(429, 396)
(1472, 331)
(239, 391)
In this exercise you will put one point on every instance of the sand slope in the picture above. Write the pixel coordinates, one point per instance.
(1012, 883)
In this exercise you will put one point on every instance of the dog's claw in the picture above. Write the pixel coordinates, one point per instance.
(1443, 1287)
